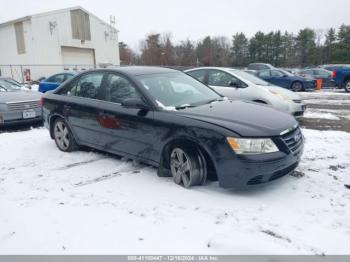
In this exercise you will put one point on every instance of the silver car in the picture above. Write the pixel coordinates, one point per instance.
(240, 85)
(18, 105)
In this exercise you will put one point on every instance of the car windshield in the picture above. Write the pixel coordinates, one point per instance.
(251, 78)
(8, 86)
(177, 90)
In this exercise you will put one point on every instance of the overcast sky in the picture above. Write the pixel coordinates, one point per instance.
(196, 18)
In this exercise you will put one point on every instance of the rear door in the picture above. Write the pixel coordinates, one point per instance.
(82, 107)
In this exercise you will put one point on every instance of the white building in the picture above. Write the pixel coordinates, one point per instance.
(46, 43)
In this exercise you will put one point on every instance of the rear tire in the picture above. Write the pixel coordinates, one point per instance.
(297, 86)
(63, 136)
(187, 166)
(347, 86)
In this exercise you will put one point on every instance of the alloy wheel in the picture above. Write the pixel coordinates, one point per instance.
(347, 86)
(182, 168)
(297, 86)
(62, 136)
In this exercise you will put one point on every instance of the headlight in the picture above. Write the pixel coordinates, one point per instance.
(252, 146)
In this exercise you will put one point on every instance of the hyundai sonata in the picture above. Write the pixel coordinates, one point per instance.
(170, 120)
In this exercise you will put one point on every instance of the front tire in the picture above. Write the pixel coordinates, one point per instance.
(188, 167)
(63, 136)
(297, 86)
(347, 86)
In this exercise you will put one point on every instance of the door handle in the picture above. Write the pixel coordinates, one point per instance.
(67, 108)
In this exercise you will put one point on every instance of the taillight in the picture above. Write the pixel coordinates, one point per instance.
(334, 74)
(41, 103)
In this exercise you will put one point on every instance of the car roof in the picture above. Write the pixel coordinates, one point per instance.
(142, 70)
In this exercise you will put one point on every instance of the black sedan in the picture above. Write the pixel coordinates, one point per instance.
(170, 120)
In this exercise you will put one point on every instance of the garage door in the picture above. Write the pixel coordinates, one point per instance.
(78, 56)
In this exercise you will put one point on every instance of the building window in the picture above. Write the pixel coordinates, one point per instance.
(21, 48)
(80, 22)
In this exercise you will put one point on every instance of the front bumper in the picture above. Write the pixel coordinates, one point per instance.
(8, 118)
(246, 170)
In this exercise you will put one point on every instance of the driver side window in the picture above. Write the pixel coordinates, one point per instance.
(220, 78)
(118, 88)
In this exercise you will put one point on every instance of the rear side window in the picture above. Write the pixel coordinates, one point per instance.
(88, 86)
(119, 88)
(198, 74)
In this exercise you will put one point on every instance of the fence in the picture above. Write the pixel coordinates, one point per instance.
(25, 73)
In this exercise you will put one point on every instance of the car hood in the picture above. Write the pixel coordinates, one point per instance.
(283, 91)
(247, 119)
(20, 95)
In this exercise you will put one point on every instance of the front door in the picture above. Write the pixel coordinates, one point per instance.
(279, 79)
(225, 84)
(125, 130)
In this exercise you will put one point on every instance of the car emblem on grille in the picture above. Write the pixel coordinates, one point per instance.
(297, 137)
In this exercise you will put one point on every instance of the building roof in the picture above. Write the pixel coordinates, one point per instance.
(28, 17)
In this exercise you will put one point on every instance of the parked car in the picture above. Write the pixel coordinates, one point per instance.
(319, 73)
(16, 83)
(170, 120)
(54, 81)
(260, 66)
(237, 84)
(333, 67)
(287, 80)
(342, 78)
(17, 105)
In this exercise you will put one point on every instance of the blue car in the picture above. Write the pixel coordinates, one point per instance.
(285, 79)
(52, 82)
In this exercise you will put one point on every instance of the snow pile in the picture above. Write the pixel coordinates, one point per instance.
(315, 114)
(91, 203)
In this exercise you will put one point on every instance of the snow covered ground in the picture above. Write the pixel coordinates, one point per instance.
(327, 109)
(91, 203)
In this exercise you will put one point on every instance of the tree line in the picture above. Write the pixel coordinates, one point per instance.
(306, 48)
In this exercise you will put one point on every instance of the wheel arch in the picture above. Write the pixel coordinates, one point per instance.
(52, 120)
(186, 141)
(297, 81)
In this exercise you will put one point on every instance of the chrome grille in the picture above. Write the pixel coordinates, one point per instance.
(294, 140)
(23, 105)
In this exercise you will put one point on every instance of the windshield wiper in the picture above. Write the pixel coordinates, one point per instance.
(215, 100)
(184, 106)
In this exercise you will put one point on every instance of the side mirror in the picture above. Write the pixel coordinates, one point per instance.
(234, 84)
(134, 103)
